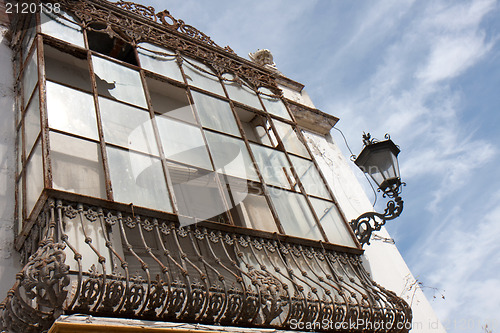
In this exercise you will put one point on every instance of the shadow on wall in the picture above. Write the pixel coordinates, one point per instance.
(9, 258)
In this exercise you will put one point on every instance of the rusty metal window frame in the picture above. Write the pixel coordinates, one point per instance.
(41, 39)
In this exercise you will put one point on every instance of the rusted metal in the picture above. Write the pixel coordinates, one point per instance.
(189, 274)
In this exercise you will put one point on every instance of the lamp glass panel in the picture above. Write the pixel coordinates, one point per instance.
(380, 166)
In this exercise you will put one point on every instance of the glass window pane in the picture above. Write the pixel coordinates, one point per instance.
(72, 111)
(248, 206)
(231, 156)
(126, 126)
(294, 214)
(19, 206)
(241, 92)
(163, 63)
(170, 101)
(65, 68)
(257, 128)
(183, 143)
(30, 77)
(197, 194)
(29, 36)
(215, 113)
(32, 123)
(34, 178)
(274, 105)
(61, 28)
(201, 76)
(19, 150)
(290, 139)
(118, 82)
(310, 177)
(138, 179)
(273, 165)
(77, 165)
(332, 222)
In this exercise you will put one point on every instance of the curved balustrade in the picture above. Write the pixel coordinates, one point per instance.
(109, 263)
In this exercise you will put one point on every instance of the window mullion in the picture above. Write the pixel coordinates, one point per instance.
(166, 172)
(250, 152)
(104, 155)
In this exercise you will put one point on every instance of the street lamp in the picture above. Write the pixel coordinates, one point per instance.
(379, 159)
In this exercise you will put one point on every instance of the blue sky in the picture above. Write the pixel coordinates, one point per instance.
(428, 73)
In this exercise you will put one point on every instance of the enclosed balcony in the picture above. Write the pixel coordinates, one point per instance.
(161, 177)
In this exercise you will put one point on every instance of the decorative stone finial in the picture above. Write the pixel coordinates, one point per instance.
(264, 58)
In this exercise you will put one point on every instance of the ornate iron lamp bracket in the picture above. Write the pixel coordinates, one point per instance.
(368, 222)
(379, 160)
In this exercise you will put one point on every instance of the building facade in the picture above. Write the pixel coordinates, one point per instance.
(162, 180)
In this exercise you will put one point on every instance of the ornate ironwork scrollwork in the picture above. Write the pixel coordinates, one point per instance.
(158, 270)
(367, 223)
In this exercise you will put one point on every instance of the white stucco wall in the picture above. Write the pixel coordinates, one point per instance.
(382, 259)
(9, 258)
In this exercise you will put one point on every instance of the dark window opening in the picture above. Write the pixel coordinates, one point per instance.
(100, 40)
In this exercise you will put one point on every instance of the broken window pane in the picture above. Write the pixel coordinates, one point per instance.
(290, 139)
(118, 82)
(169, 100)
(230, 156)
(273, 166)
(126, 126)
(241, 93)
(183, 143)
(257, 128)
(201, 76)
(310, 177)
(68, 69)
(274, 105)
(61, 28)
(159, 60)
(72, 111)
(77, 165)
(101, 39)
(138, 179)
(294, 214)
(34, 178)
(215, 114)
(332, 222)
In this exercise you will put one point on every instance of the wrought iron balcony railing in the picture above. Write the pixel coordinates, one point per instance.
(104, 262)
